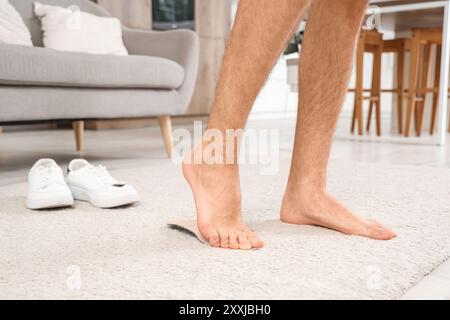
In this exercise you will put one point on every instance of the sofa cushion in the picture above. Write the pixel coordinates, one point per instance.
(69, 29)
(12, 27)
(47, 67)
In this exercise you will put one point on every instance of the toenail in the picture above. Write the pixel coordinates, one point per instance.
(246, 246)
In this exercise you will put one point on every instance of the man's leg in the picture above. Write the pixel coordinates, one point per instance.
(326, 65)
(262, 29)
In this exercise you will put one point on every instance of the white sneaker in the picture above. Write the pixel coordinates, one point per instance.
(95, 185)
(47, 187)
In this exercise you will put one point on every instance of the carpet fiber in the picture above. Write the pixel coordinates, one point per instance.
(85, 252)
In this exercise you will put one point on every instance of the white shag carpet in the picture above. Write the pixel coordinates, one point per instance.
(85, 252)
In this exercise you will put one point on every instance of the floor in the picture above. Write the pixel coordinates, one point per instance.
(136, 147)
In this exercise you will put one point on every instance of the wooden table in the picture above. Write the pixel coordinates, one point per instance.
(403, 15)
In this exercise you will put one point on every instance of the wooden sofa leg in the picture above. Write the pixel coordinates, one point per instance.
(78, 127)
(1, 130)
(165, 123)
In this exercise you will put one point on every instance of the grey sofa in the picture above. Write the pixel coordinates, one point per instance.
(39, 84)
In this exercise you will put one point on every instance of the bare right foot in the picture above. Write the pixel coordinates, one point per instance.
(216, 190)
(304, 207)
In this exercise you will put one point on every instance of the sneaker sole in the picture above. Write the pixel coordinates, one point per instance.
(39, 203)
(81, 194)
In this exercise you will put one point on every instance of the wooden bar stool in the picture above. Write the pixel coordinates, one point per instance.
(399, 47)
(419, 46)
(369, 41)
(419, 70)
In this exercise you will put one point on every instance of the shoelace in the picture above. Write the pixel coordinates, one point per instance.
(48, 175)
(101, 172)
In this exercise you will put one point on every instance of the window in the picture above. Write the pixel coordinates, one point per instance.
(173, 14)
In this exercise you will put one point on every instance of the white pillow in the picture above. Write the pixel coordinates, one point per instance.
(69, 29)
(12, 28)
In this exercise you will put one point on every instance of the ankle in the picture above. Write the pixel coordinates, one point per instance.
(209, 172)
(305, 187)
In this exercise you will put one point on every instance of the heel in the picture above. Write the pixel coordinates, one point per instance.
(79, 194)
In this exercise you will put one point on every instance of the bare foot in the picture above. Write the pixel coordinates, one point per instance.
(217, 195)
(321, 209)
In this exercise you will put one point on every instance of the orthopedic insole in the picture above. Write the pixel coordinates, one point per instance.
(189, 227)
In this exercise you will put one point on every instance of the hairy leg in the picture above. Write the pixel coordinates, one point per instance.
(262, 29)
(326, 64)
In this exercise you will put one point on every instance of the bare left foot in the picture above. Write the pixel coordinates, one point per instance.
(217, 194)
(320, 209)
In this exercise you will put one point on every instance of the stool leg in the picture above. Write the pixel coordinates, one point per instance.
(400, 87)
(413, 77)
(372, 93)
(354, 114)
(359, 91)
(423, 86)
(437, 76)
(377, 86)
(369, 116)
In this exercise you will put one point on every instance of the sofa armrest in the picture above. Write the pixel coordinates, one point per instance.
(180, 46)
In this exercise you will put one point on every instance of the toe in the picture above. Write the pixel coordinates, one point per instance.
(380, 233)
(255, 241)
(233, 240)
(244, 243)
(224, 239)
(214, 239)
